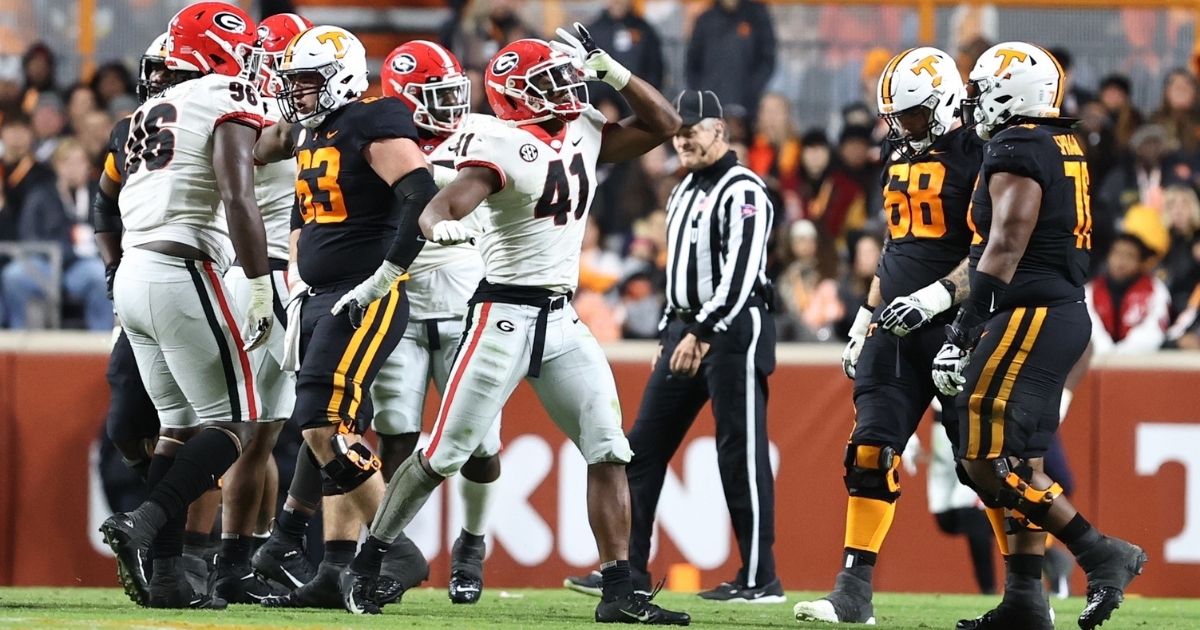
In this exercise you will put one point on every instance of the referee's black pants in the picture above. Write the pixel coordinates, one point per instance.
(734, 376)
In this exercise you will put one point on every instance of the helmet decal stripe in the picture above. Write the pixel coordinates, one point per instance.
(1062, 79)
(886, 88)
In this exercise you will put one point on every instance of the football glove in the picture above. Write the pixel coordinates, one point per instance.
(450, 232)
(260, 312)
(858, 336)
(910, 312)
(948, 367)
(372, 288)
(291, 337)
(594, 63)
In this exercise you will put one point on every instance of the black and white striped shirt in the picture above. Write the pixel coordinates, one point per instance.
(718, 221)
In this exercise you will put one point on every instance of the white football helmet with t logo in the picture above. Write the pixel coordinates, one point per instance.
(919, 81)
(331, 52)
(1015, 79)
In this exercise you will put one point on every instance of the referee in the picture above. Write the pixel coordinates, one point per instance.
(717, 343)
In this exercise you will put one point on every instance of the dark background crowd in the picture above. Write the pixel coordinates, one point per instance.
(825, 178)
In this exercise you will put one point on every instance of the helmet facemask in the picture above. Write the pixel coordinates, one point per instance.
(298, 84)
(912, 131)
(148, 86)
(558, 87)
(440, 106)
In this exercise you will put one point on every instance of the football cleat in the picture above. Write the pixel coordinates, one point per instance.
(323, 591)
(169, 588)
(239, 585)
(849, 602)
(130, 538)
(589, 584)
(466, 572)
(357, 591)
(770, 593)
(199, 572)
(638, 608)
(283, 563)
(1007, 616)
(405, 564)
(1110, 565)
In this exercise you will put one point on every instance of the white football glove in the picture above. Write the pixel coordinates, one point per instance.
(370, 289)
(291, 336)
(450, 232)
(595, 64)
(910, 312)
(948, 367)
(858, 335)
(260, 313)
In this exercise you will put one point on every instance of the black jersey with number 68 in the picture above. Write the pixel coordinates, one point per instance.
(925, 205)
(1054, 266)
(344, 210)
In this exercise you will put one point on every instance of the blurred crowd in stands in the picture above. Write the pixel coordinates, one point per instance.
(1145, 173)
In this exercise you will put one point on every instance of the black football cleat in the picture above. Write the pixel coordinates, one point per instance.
(283, 563)
(129, 538)
(199, 573)
(849, 602)
(405, 564)
(358, 591)
(1008, 616)
(240, 585)
(638, 608)
(169, 588)
(1110, 565)
(589, 584)
(770, 593)
(466, 572)
(323, 591)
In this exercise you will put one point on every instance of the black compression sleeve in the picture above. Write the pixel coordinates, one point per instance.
(106, 216)
(413, 191)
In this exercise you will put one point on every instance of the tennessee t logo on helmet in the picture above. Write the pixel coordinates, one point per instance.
(1007, 55)
(334, 37)
(927, 65)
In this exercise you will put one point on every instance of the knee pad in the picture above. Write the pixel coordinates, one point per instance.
(1028, 503)
(871, 472)
(352, 465)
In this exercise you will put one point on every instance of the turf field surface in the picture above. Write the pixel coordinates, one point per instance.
(529, 608)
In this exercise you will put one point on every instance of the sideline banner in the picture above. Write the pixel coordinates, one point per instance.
(1133, 438)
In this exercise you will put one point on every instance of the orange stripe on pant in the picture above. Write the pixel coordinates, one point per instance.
(975, 405)
(1000, 404)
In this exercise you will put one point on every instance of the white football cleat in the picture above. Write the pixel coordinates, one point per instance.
(821, 610)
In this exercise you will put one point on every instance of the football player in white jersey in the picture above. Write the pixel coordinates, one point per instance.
(443, 278)
(252, 482)
(190, 150)
(537, 174)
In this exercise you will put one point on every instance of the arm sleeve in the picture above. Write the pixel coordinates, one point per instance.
(297, 218)
(746, 212)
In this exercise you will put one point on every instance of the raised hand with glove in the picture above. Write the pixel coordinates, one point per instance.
(858, 336)
(594, 63)
(910, 312)
(372, 288)
(260, 312)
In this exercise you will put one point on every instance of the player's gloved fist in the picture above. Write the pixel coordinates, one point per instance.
(450, 232)
(858, 336)
(594, 63)
(370, 289)
(948, 367)
(910, 312)
(260, 313)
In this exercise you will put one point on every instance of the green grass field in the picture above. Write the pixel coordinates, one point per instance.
(428, 608)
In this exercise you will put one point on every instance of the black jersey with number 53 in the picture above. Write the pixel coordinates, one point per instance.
(1054, 266)
(344, 210)
(925, 205)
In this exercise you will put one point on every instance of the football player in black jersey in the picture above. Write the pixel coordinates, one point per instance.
(927, 187)
(1017, 336)
(361, 183)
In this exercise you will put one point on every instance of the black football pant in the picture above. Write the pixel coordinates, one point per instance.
(734, 377)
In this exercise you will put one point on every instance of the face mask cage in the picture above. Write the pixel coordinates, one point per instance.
(294, 90)
(556, 88)
(146, 86)
(441, 106)
(911, 146)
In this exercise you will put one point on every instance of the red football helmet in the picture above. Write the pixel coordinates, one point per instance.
(274, 33)
(430, 78)
(528, 81)
(212, 37)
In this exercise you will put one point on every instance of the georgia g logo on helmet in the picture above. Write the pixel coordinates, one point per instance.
(505, 63)
(230, 22)
(404, 64)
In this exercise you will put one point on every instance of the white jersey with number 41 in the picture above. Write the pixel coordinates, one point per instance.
(170, 190)
(533, 226)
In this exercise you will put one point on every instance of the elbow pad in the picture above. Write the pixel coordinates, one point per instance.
(106, 215)
(412, 192)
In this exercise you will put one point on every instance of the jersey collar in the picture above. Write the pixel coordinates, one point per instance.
(549, 140)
